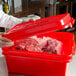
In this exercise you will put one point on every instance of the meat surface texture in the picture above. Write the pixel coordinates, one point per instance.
(45, 44)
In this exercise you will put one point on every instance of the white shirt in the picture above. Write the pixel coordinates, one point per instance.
(8, 21)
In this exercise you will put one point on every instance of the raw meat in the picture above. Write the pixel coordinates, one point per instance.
(28, 44)
(50, 46)
(45, 44)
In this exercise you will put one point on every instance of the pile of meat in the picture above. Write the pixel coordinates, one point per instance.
(45, 44)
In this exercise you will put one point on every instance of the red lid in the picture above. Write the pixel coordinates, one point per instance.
(30, 28)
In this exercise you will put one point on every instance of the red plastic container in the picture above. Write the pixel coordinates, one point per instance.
(36, 63)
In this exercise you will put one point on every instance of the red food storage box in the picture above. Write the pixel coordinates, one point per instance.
(40, 63)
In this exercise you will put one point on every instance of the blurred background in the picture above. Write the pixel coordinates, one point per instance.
(42, 8)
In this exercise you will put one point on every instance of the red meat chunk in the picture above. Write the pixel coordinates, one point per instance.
(50, 47)
(28, 44)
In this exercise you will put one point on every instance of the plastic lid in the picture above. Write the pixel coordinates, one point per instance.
(48, 24)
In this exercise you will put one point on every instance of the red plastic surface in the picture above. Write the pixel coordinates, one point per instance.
(36, 63)
(42, 64)
(48, 24)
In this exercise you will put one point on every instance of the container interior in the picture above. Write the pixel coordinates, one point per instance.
(66, 52)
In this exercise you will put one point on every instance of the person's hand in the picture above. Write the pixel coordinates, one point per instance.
(4, 42)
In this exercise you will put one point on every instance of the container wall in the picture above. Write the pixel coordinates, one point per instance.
(36, 66)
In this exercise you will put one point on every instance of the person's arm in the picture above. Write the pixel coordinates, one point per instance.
(4, 42)
(8, 21)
